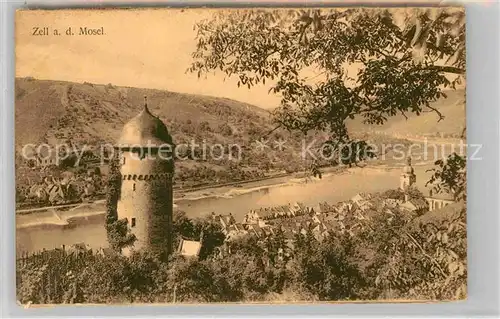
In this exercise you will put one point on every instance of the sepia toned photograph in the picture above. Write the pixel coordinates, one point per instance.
(277, 155)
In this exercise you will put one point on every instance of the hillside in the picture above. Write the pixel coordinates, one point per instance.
(90, 115)
(452, 107)
(55, 111)
(85, 113)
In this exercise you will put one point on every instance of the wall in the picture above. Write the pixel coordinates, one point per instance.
(146, 195)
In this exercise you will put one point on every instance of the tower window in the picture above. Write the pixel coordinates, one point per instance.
(133, 187)
(132, 224)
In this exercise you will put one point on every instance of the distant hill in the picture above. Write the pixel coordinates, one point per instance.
(452, 107)
(56, 111)
(86, 114)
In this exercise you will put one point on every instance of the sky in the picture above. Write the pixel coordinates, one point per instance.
(141, 48)
(149, 48)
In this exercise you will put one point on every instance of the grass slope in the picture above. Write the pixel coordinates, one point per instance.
(85, 113)
(56, 111)
(90, 115)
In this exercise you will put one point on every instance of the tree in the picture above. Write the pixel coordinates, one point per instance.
(183, 227)
(211, 236)
(333, 65)
(118, 232)
(325, 269)
(450, 177)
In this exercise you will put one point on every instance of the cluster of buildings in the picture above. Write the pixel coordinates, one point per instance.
(46, 157)
(64, 189)
(52, 190)
(325, 219)
(320, 220)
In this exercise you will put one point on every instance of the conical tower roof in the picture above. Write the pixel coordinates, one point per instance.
(144, 130)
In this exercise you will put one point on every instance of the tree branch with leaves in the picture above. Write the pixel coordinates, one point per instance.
(449, 176)
(334, 65)
(373, 63)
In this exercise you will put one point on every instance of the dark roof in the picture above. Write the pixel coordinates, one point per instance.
(144, 129)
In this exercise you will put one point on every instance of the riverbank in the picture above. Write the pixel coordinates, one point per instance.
(59, 215)
(86, 224)
(191, 201)
(180, 192)
(426, 154)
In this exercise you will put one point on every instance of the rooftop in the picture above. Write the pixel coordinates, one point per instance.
(189, 248)
(144, 130)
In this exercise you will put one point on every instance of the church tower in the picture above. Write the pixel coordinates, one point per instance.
(408, 177)
(147, 167)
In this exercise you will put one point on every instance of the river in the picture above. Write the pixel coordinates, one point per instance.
(39, 231)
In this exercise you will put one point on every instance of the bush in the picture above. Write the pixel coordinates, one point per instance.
(401, 257)
(225, 129)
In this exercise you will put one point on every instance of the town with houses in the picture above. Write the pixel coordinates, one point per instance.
(135, 202)
(85, 181)
(323, 219)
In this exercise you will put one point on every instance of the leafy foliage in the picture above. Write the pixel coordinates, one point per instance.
(450, 177)
(364, 60)
(334, 65)
(380, 257)
(118, 232)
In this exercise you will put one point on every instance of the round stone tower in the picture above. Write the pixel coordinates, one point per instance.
(146, 167)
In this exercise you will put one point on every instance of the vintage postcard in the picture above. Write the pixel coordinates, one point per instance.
(240, 155)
